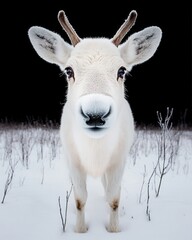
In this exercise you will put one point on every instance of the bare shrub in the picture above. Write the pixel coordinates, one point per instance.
(9, 179)
(26, 142)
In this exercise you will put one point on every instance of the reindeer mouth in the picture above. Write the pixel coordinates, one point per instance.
(96, 129)
(96, 132)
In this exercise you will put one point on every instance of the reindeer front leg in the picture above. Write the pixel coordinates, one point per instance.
(78, 178)
(112, 185)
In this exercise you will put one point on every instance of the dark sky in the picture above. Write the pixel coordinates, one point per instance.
(33, 89)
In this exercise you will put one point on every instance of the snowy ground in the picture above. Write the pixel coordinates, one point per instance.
(35, 176)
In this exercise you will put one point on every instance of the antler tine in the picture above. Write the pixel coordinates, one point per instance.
(63, 20)
(125, 27)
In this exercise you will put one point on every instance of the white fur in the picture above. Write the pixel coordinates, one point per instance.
(95, 92)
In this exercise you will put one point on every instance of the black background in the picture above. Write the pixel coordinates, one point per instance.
(34, 89)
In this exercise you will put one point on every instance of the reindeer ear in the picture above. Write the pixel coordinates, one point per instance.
(49, 45)
(141, 46)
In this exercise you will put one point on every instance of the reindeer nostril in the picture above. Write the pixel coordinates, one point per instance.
(83, 114)
(95, 119)
(107, 114)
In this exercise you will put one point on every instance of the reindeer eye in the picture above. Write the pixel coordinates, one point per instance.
(69, 72)
(121, 73)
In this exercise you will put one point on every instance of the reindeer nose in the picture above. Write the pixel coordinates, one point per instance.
(95, 119)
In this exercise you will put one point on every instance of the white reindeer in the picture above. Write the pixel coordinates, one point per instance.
(97, 126)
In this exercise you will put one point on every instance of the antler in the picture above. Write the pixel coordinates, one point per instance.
(125, 27)
(63, 20)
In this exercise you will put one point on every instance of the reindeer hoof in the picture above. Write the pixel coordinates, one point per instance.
(81, 229)
(113, 229)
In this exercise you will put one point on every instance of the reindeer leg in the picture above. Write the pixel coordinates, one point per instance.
(78, 178)
(112, 184)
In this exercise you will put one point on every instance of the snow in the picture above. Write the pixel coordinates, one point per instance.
(30, 210)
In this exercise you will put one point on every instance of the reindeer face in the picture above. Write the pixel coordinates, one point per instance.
(95, 73)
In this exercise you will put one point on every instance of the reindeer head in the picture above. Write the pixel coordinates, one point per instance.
(96, 68)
